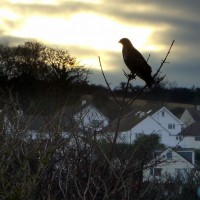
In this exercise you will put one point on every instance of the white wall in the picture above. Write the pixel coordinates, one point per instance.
(186, 117)
(158, 123)
(170, 166)
(188, 142)
(147, 127)
(88, 116)
(167, 119)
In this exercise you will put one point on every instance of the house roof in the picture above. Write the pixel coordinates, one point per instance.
(170, 113)
(127, 122)
(62, 120)
(182, 152)
(192, 130)
(46, 123)
(195, 114)
(134, 117)
(87, 107)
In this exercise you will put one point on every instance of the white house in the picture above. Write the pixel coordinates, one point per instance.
(190, 136)
(90, 118)
(191, 115)
(161, 122)
(169, 121)
(170, 162)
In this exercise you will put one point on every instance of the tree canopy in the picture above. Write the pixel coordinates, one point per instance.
(36, 61)
(33, 70)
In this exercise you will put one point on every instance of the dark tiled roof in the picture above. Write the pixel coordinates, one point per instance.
(195, 114)
(63, 120)
(131, 119)
(192, 130)
(126, 123)
(58, 121)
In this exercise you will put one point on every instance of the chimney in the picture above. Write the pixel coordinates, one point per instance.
(142, 114)
(197, 107)
(83, 102)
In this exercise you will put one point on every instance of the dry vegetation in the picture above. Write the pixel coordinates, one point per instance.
(52, 164)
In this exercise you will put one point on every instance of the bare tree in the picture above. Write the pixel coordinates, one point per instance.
(76, 163)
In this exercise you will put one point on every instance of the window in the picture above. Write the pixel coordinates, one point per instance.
(155, 171)
(197, 138)
(181, 173)
(171, 126)
(96, 123)
(138, 135)
(163, 113)
(151, 171)
(123, 137)
(169, 155)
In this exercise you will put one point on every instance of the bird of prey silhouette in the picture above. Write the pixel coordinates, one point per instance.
(136, 62)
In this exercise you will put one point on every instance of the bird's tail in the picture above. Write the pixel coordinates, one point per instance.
(149, 80)
(154, 80)
(150, 83)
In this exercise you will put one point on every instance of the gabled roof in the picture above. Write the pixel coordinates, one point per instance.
(170, 113)
(87, 107)
(60, 120)
(195, 114)
(49, 123)
(179, 151)
(161, 125)
(192, 130)
(127, 122)
(63, 120)
(134, 117)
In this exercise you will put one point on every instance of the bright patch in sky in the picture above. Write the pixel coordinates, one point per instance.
(33, 1)
(83, 29)
(8, 14)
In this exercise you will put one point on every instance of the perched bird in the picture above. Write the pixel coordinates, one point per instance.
(136, 62)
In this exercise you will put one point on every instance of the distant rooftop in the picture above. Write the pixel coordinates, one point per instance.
(192, 130)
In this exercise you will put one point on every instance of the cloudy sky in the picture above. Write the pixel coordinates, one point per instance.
(92, 28)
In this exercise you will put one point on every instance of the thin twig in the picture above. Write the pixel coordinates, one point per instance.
(108, 85)
(148, 57)
(164, 61)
